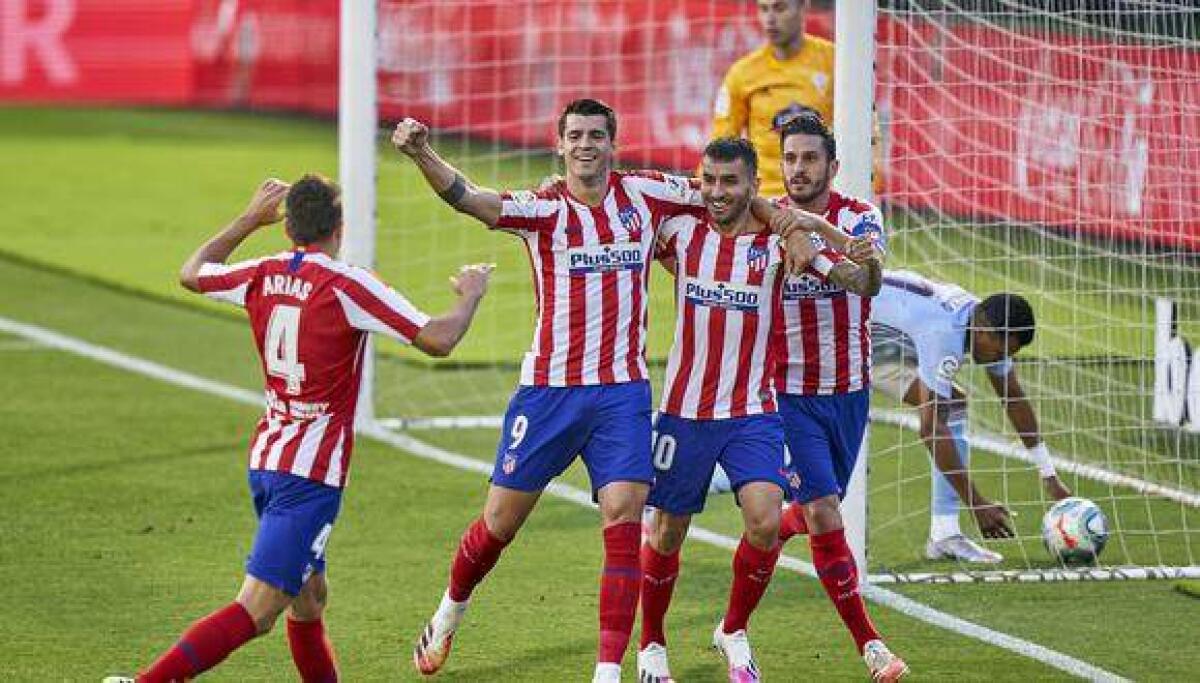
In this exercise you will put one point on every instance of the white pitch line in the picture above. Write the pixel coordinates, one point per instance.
(896, 601)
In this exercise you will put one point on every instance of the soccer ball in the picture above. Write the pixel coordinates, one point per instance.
(1075, 530)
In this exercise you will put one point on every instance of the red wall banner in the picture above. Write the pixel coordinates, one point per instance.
(977, 121)
(117, 51)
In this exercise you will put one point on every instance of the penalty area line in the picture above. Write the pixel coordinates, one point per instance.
(421, 449)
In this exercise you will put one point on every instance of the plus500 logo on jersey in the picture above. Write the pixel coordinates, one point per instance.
(602, 258)
(807, 287)
(721, 295)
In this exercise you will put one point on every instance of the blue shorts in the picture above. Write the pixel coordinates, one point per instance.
(824, 434)
(686, 452)
(295, 517)
(545, 428)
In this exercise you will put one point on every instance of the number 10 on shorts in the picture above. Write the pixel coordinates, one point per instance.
(664, 451)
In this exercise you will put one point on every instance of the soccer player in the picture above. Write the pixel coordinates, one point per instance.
(791, 74)
(718, 404)
(310, 315)
(924, 332)
(583, 387)
(822, 338)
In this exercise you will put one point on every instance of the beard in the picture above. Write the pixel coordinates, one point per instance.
(812, 191)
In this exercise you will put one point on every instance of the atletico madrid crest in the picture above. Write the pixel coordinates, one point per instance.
(757, 258)
(631, 220)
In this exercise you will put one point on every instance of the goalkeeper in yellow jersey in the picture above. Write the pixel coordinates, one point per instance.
(792, 73)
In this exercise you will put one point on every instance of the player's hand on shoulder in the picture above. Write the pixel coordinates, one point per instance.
(410, 136)
(265, 206)
(861, 250)
(993, 519)
(472, 280)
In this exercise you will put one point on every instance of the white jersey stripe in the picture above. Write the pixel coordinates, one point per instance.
(333, 476)
(310, 445)
(586, 261)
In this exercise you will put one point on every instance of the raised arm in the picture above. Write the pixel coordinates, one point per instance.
(992, 517)
(441, 334)
(1024, 420)
(263, 209)
(411, 137)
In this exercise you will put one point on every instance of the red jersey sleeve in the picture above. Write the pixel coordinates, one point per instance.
(228, 283)
(526, 211)
(824, 262)
(372, 306)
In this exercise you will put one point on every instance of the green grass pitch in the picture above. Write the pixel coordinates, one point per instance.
(126, 513)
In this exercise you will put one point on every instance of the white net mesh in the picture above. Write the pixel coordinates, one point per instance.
(1038, 147)
(1048, 149)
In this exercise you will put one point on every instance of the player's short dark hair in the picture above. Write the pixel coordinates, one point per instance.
(314, 209)
(586, 106)
(732, 149)
(1009, 314)
(809, 123)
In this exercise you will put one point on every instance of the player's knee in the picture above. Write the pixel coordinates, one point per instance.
(669, 532)
(309, 605)
(762, 526)
(763, 532)
(622, 501)
(823, 515)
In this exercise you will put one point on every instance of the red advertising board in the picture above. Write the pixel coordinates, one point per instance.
(118, 51)
(979, 122)
(1073, 133)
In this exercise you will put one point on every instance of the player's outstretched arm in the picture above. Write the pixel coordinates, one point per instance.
(862, 274)
(411, 137)
(441, 334)
(1023, 419)
(263, 209)
(993, 518)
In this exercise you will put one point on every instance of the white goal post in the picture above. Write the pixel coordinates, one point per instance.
(1023, 149)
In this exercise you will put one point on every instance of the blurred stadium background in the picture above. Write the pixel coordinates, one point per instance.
(1040, 146)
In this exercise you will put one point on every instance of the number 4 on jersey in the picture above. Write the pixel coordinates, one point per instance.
(282, 347)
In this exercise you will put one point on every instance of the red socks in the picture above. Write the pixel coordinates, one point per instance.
(792, 522)
(205, 644)
(477, 554)
(311, 651)
(752, 569)
(658, 582)
(839, 575)
(619, 585)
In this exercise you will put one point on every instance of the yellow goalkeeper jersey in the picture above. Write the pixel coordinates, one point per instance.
(760, 90)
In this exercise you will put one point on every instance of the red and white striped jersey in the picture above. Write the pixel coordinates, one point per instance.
(822, 332)
(310, 315)
(590, 273)
(721, 362)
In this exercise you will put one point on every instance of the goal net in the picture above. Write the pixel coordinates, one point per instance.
(1040, 147)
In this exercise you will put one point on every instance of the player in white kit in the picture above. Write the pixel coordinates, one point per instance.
(923, 332)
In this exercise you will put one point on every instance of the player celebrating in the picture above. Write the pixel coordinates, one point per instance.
(823, 340)
(583, 386)
(791, 74)
(924, 331)
(310, 314)
(717, 402)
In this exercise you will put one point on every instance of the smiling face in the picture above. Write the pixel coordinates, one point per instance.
(586, 146)
(807, 168)
(727, 188)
